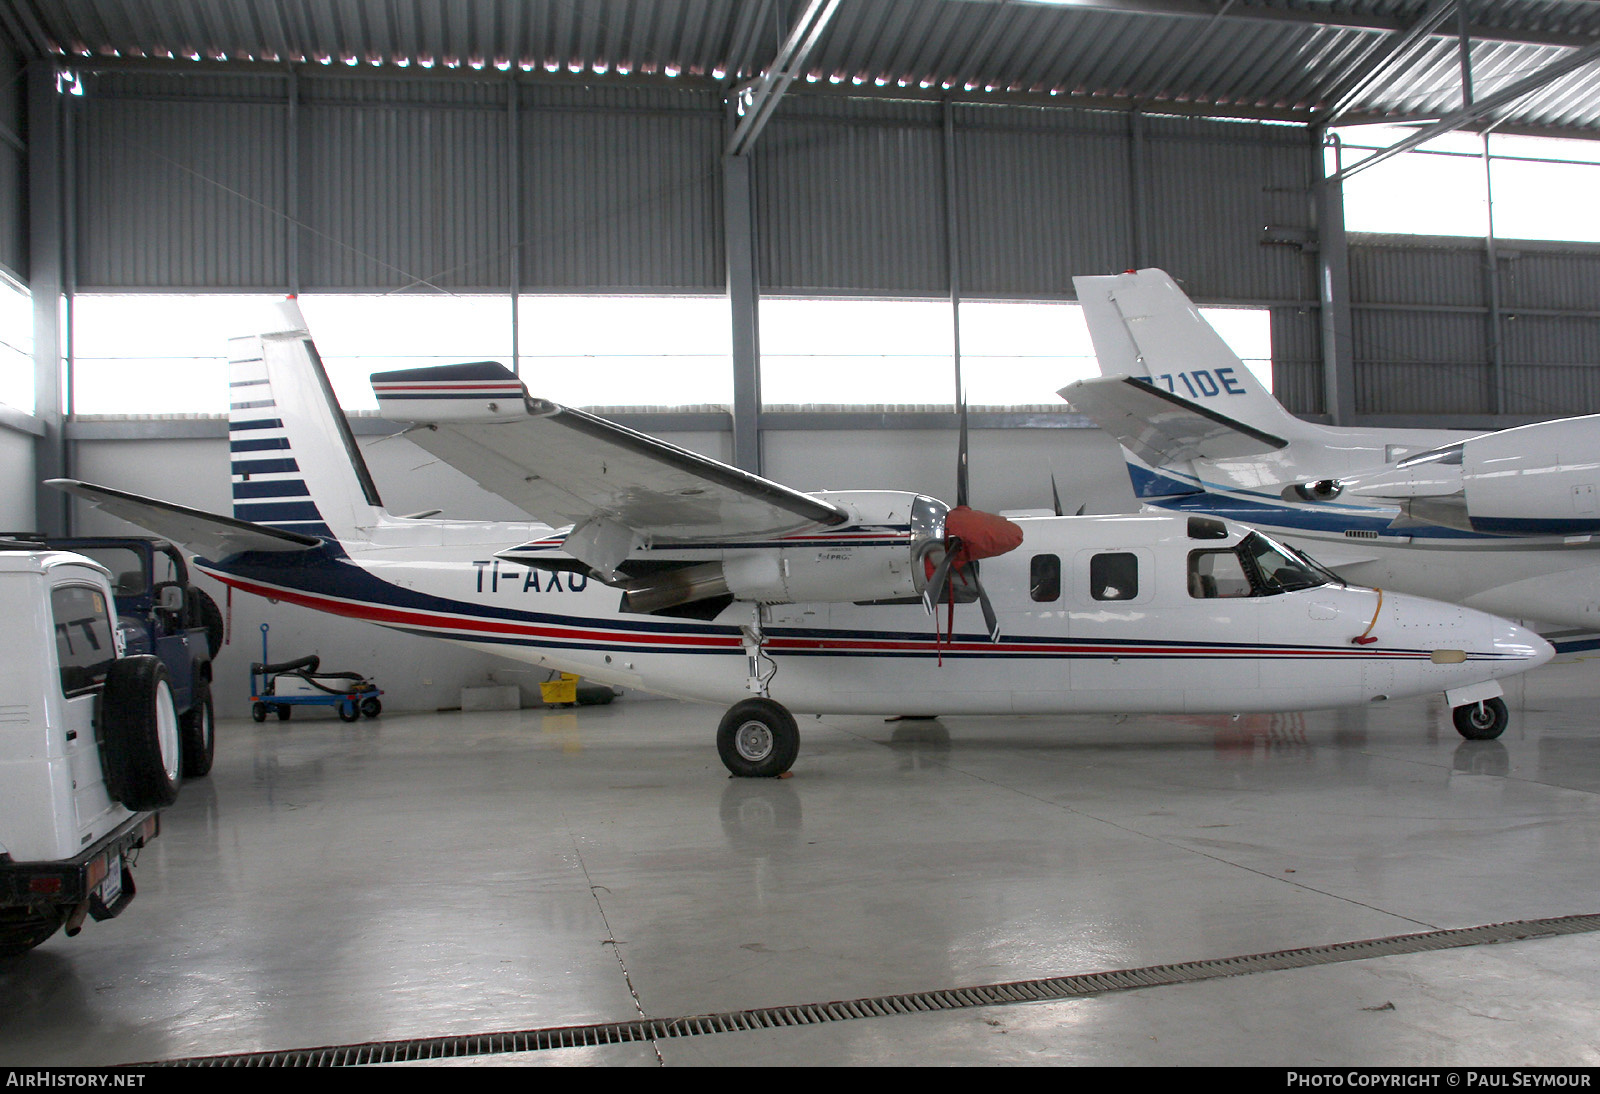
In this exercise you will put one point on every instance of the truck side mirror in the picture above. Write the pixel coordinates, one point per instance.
(171, 598)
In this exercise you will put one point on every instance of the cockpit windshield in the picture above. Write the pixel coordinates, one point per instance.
(1279, 569)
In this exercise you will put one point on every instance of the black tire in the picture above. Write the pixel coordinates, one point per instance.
(209, 616)
(143, 740)
(283, 710)
(21, 929)
(258, 711)
(371, 707)
(758, 739)
(199, 724)
(349, 710)
(1482, 721)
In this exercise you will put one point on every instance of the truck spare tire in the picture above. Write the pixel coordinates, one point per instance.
(139, 734)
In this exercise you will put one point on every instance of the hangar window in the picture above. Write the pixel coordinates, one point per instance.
(16, 346)
(820, 353)
(1114, 576)
(1534, 187)
(165, 354)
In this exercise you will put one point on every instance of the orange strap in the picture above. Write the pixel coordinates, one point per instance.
(1364, 638)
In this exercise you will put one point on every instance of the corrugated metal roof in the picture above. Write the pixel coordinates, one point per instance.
(1289, 59)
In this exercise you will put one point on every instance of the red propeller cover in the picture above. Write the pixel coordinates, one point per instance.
(982, 535)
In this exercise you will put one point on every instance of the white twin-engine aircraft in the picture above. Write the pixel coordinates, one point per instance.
(684, 576)
(1507, 522)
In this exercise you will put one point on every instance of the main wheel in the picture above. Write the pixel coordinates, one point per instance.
(758, 739)
(21, 929)
(143, 749)
(1482, 721)
(200, 731)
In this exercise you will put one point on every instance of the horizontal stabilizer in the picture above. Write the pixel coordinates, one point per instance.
(563, 466)
(1161, 427)
(215, 537)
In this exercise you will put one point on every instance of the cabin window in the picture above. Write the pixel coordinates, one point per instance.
(1044, 579)
(1217, 574)
(1114, 576)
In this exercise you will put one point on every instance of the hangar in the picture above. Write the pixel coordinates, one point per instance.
(784, 235)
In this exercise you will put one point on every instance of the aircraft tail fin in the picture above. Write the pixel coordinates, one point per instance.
(295, 462)
(1144, 326)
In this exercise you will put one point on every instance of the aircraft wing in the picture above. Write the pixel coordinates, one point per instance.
(1161, 427)
(563, 466)
(204, 533)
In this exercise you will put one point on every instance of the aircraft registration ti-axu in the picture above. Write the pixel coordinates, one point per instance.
(1507, 522)
(660, 569)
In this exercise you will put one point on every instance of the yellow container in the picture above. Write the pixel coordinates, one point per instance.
(564, 690)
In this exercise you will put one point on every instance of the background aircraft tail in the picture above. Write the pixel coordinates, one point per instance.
(296, 465)
(1144, 326)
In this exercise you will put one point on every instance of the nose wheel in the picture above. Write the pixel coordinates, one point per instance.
(758, 739)
(1482, 721)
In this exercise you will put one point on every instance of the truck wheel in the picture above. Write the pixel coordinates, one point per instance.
(258, 711)
(758, 739)
(199, 732)
(283, 711)
(349, 711)
(371, 707)
(210, 617)
(139, 725)
(21, 929)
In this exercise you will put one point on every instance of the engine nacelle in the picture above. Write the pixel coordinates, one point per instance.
(1534, 479)
(1540, 479)
(878, 555)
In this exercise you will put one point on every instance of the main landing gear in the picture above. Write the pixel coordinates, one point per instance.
(758, 738)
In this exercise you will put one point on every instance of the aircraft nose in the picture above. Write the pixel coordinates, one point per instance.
(1520, 642)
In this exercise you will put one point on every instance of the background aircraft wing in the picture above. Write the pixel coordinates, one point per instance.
(203, 533)
(1163, 428)
(563, 466)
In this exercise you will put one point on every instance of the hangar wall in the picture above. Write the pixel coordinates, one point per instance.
(382, 183)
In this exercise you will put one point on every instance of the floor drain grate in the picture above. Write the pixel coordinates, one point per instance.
(1020, 991)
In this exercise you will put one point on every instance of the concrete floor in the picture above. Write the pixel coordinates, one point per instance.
(427, 876)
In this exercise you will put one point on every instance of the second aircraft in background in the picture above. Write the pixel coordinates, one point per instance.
(1508, 522)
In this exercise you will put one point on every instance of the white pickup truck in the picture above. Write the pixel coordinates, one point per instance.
(90, 747)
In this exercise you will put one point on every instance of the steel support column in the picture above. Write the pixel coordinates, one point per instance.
(47, 218)
(738, 219)
(952, 246)
(1333, 288)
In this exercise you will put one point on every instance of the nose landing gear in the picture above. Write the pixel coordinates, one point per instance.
(1481, 721)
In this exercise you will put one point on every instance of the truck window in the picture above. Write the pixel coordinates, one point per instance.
(1044, 579)
(85, 646)
(1114, 575)
(128, 577)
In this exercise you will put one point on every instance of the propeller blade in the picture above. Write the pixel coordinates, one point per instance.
(961, 456)
(990, 619)
(934, 591)
(1055, 496)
